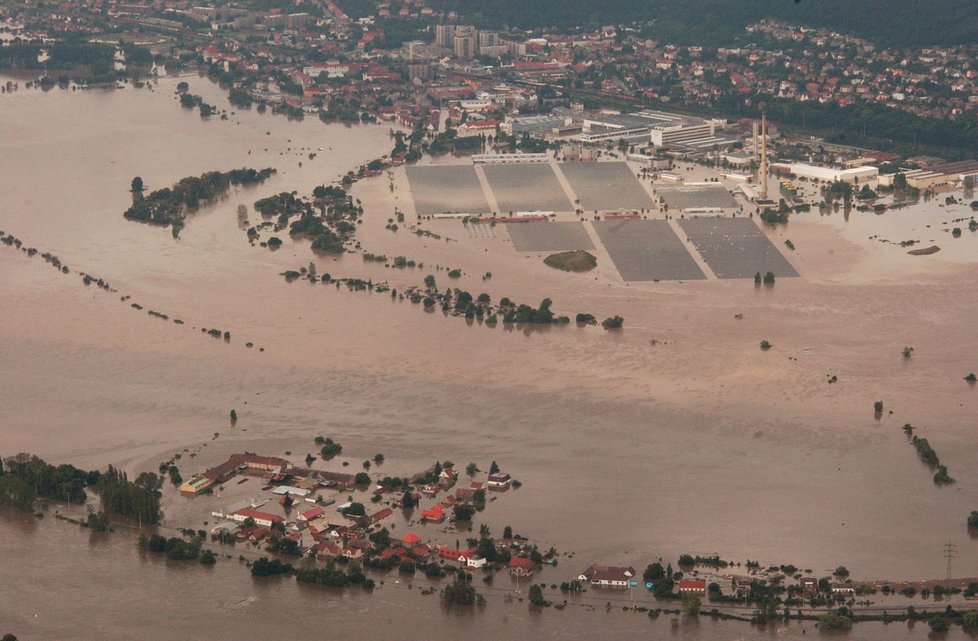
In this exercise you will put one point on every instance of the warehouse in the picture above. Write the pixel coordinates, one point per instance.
(828, 174)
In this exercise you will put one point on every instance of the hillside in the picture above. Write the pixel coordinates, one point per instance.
(719, 22)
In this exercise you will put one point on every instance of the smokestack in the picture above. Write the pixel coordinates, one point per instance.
(754, 132)
(763, 156)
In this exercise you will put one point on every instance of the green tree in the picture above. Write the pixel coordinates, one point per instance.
(938, 624)
(330, 448)
(969, 620)
(461, 512)
(834, 622)
(460, 592)
(536, 596)
(137, 184)
(98, 521)
(691, 605)
(653, 572)
(407, 501)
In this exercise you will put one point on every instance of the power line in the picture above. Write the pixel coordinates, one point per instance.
(950, 551)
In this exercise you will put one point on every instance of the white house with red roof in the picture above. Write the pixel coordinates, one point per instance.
(477, 128)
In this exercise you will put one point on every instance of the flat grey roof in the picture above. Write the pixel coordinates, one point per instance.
(447, 188)
(647, 250)
(526, 187)
(696, 196)
(605, 185)
(545, 237)
(735, 247)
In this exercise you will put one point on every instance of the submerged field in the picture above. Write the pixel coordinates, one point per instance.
(677, 434)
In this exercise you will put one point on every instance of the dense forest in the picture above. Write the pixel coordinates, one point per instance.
(865, 124)
(715, 22)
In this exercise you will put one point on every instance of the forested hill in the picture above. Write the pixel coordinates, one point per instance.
(719, 22)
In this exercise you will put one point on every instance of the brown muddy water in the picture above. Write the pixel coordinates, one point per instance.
(628, 450)
(92, 586)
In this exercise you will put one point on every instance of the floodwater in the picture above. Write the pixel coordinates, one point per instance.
(86, 585)
(676, 435)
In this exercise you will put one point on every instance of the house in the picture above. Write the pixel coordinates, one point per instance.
(608, 576)
(447, 477)
(742, 587)
(435, 514)
(382, 514)
(499, 480)
(311, 515)
(838, 588)
(411, 539)
(459, 556)
(475, 562)
(696, 587)
(328, 550)
(521, 566)
(809, 585)
(477, 128)
(196, 485)
(355, 549)
(260, 518)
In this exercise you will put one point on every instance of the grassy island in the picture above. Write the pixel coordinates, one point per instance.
(572, 261)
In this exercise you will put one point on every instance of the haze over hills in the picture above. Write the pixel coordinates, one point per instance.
(717, 22)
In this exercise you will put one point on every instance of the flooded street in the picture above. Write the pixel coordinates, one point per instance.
(676, 435)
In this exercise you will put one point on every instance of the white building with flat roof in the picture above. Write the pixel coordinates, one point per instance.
(829, 174)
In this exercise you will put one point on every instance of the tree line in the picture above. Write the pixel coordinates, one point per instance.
(25, 478)
(704, 22)
(168, 206)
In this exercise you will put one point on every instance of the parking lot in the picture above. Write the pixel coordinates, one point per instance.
(696, 196)
(735, 247)
(526, 187)
(645, 250)
(448, 188)
(550, 237)
(606, 186)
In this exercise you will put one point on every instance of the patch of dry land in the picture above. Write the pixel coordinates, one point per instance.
(573, 261)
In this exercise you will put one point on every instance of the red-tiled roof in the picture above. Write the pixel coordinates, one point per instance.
(692, 584)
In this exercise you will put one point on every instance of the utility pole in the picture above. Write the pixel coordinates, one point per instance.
(950, 551)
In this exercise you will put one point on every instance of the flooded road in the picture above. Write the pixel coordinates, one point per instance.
(628, 450)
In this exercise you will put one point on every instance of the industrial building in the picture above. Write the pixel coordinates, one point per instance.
(938, 175)
(661, 128)
(828, 174)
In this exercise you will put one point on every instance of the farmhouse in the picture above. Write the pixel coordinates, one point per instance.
(607, 576)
